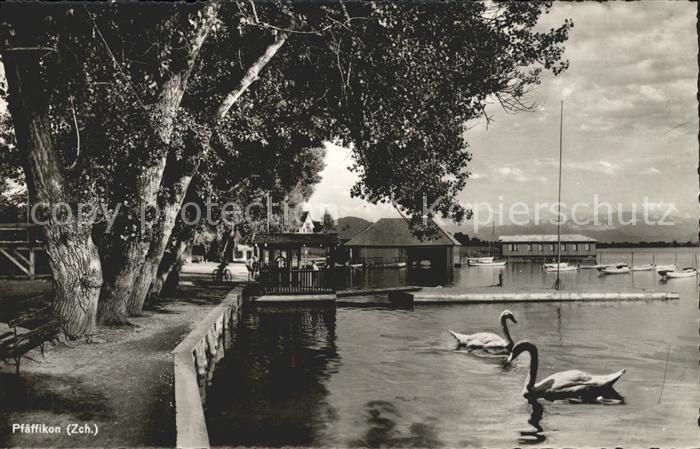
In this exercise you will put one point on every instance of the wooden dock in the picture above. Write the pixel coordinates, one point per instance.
(376, 291)
(409, 296)
(553, 296)
(295, 299)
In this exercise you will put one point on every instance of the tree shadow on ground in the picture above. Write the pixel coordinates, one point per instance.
(58, 400)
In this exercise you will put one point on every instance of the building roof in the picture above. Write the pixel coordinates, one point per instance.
(397, 232)
(318, 226)
(536, 238)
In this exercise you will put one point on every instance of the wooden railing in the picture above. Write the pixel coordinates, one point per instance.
(372, 261)
(295, 281)
(19, 243)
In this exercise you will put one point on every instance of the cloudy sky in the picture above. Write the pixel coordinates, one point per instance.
(630, 120)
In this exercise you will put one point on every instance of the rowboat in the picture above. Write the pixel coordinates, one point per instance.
(553, 269)
(667, 267)
(616, 269)
(647, 267)
(684, 273)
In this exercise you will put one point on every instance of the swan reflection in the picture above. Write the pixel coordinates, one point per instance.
(534, 435)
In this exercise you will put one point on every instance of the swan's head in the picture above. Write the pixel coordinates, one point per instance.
(520, 347)
(508, 315)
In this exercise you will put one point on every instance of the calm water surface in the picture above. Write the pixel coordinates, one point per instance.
(383, 377)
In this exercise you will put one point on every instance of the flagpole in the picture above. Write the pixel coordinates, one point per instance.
(558, 285)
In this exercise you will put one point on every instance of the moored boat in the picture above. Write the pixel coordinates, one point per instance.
(647, 267)
(667, 267)
(590, 267)
(684, 273)
(564, 268)
(554, 265)
(498, 263)
(616, 269)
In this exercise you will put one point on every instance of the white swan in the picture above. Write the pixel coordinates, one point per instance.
(488, 340)
(564, 384)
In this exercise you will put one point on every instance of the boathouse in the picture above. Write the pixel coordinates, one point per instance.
(289, 262)
(574, 247)
(390, 241)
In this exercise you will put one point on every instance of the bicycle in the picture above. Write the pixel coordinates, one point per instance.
(218, 276)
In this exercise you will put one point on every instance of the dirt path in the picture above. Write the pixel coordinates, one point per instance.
(121, 381)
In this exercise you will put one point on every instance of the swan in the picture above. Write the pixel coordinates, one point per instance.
(564, 384)
(488, 340)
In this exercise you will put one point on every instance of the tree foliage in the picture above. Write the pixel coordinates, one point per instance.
(152, 104)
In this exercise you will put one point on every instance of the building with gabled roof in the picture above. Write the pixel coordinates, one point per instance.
(391, 240)
(308, 225)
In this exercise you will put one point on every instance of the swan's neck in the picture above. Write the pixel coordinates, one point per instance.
(509, 339)
(532, 375)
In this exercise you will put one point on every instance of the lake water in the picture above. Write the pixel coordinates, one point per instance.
(384, 377)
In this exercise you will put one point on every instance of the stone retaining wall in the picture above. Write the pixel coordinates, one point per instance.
(194, 360)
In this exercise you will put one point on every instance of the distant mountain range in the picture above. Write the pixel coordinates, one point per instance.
(683, 230)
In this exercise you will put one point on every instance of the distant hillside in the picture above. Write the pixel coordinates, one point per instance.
(349, 227)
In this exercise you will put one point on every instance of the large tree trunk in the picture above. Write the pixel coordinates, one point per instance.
(127, 287)
(73, 257)
(158, 244)
(129, 258)
(168, 277)
(140, 263)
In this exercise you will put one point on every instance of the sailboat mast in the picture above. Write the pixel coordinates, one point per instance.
(557, 283)
(493, 239)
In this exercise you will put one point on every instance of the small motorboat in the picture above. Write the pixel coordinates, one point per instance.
(647, 267)
(667, 267)
(553, 269)
(688, 272)
(498, 263)
(616, 269)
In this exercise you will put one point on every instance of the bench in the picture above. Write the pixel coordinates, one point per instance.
(14, 344)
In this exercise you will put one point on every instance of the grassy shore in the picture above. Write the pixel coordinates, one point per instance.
(120, 379)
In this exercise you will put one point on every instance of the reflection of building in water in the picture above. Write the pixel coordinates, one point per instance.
(574, 247)
(270, 388)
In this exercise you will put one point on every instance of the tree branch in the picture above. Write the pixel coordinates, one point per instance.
(250, 76)
(174, 89)
(77, 134)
